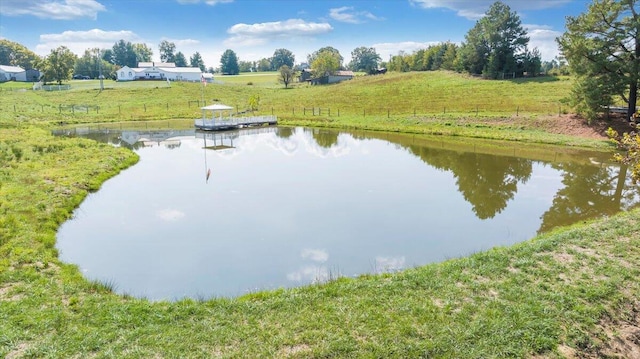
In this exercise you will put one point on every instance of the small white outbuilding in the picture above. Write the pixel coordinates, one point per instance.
(12, 73)
(159, 71)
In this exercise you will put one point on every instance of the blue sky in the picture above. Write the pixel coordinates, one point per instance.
(254, 29)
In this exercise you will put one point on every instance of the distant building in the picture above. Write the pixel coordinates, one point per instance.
(159, 71)
(12, 73)
(338, 76)
(33, 75)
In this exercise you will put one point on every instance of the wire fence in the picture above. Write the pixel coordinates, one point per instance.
(191, 109)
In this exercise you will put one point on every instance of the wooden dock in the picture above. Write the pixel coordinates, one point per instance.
(232, 123)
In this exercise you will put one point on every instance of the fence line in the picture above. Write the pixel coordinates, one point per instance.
(191, 109)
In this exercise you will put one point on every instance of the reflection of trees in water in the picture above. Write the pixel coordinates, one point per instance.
(486, 181)
(285, 132)
(489, 182)
(112, 138)
(589, 192)
(325, 138)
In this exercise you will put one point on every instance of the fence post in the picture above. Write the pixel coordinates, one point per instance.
(387, 113)
(476, 110)
(329, 111)
(167, 107)
(518, 111)
(145, 107)
(364, 113)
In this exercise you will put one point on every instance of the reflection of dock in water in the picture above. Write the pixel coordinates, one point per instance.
(224, 139)
(171, 138)
(155, 136)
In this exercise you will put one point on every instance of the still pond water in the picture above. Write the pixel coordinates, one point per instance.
(280, 207)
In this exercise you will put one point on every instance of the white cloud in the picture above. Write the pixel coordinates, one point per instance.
(475, 9)
(313, 274)
(348, 15)
(79, 41)
(182, 42)
(208, 2)
(262, 33)
(170, 215)
(52, 9)
(316, 255)
(544, 38)
(389, 264)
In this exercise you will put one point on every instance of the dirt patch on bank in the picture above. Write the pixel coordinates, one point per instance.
(574, 125)
(570, 125)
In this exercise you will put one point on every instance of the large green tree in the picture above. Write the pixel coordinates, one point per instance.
(263, 65)
(325, 63)
(327, 49)
(364, 59)
(143, 52)
(287, 74)
(91, 64)
(58, 65)
(282, 57)
(124, 54)
(180, 60)
(495, 45)
(15, 54)
(229, 63)
(602, 47)
(167, 51)
(196, 61)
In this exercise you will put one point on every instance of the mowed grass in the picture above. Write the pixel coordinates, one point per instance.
(573, 291)
(389, 96)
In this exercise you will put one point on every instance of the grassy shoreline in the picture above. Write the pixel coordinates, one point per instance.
(573, 290)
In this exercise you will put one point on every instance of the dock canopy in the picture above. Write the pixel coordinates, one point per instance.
(217, 107)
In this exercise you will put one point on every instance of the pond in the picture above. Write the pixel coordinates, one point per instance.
(223, 214)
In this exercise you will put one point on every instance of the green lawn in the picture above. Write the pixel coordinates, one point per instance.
(570, 292)
(389, 96)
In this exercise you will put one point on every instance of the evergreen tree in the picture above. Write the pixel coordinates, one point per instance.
(602, 47)
(229, 63)
(495, 45)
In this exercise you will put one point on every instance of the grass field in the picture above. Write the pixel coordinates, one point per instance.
(391, 96)
(569, 293)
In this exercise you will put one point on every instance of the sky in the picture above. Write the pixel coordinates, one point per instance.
(254, 29)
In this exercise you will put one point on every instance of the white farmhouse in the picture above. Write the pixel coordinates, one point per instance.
(12, 73)
(159, 71)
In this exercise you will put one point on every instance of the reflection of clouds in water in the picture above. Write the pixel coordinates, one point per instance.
(313, 274)
(170, 215)
(389, 264)
(316, 255)
(289, 146)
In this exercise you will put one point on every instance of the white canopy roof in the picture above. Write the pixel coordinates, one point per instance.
(217, 107)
